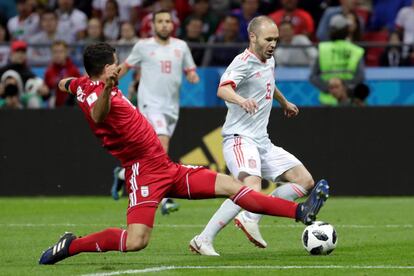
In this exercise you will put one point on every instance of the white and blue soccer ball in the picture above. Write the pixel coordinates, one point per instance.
(319, 238)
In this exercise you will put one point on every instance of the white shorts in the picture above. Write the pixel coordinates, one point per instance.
(265, 160)
(162, 123)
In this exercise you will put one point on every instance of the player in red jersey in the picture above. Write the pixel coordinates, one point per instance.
(150, 174)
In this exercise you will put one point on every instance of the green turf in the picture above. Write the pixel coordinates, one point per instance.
(371, 232)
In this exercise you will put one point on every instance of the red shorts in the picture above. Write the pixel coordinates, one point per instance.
(148, 185)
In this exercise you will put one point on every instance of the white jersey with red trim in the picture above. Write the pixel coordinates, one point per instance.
(254, 79)
(162, 69)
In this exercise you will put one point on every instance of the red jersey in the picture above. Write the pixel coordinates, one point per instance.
(301, 20)
(125, 132)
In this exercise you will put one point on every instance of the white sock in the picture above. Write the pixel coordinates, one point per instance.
(227, 211)
(288, 191)
(121, 174)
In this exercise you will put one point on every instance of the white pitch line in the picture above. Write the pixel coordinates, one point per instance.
(201, 225)
(164, 268)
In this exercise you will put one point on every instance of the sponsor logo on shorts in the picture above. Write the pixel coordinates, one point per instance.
(252, 164)
(144, 191)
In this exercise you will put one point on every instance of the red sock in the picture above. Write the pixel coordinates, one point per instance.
(111, 239)
(259, 203)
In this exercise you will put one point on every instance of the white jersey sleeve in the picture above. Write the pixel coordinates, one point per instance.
(135, 57)
(235, 73)
(188, 61)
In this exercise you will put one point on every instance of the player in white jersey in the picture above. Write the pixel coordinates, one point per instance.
(248, 87)
(162, 60)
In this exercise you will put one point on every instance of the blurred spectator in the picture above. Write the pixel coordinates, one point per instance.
(338, 89)
(345, 8)
(210, 21)
(393, 54)
(249, 9)
(384, 13)
(289, 56)
(183, 8)
(61, 67)
(194, 33)
(94, 32)
(164, 5)
(405, 25)
(220, 7)
(128, 37)
(72, 21)
(315, 8)
(40, 55)
(35, 92)
(26, 23)
(11, 89)
(18, 59)
(111, 21)
(360, 94)
(230, 34)
(301, 20)
(355, 32)
(127, 9)
(4, 49)
(338, 58)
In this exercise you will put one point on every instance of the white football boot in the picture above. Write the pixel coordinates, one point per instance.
(251, 229)
(202, 246)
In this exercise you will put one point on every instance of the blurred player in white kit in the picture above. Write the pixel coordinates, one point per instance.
(248, 88)
(162, 59)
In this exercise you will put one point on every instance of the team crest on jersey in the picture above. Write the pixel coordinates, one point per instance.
(144, 191)
(80, 95)
(177, 53)
(252, 164)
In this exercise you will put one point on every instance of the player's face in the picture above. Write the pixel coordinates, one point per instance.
(163, 25)
(265, 41)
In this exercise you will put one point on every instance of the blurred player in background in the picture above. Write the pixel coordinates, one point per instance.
(151, 175)
(248, 87)
(162, 59)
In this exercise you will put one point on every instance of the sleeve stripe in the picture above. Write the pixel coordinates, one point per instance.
(232, 83)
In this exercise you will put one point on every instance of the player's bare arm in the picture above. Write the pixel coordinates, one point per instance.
(227, 93)
(290, 109)
(64, 84)
(103, 103)
(123, 69)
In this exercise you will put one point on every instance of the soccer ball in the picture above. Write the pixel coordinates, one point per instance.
(319, 238)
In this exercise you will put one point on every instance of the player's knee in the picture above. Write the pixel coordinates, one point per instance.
(137, 243)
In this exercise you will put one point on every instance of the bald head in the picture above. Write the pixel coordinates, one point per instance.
(263, 36)
(257, 23)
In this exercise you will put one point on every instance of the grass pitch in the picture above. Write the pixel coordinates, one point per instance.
(375, 237)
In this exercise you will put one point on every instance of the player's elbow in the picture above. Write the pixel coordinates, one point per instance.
(61, 85)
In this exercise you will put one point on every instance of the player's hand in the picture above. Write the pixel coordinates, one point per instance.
(112, 79)
(290, 109)
(192, 77)
(250, 106)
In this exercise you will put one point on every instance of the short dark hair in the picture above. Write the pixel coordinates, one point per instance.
(154, 14)
(96, 56)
